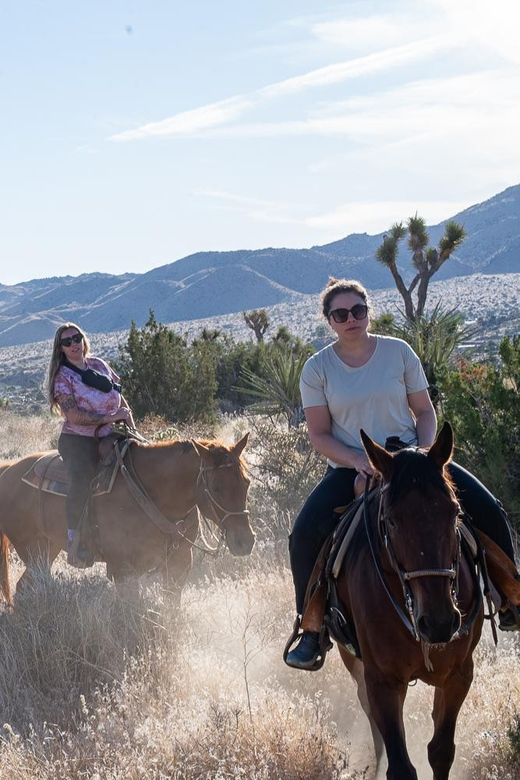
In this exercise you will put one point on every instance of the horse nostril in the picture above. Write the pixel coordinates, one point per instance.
(436, 631)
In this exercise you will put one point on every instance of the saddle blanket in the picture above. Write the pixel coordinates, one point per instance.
(49, 474)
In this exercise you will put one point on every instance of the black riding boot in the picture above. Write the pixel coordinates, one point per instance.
(509, 619)
(307, 653)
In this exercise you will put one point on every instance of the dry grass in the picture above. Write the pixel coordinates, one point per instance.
(19, 436)
(105, 685)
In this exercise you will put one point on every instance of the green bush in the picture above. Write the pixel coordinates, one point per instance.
(163, 375)
(287, 467)
(483, 404)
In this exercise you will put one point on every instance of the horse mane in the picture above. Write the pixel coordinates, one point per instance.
(220, 452)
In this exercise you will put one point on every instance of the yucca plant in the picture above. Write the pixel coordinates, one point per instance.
(278, 389)
(425, 260)
(434, 338)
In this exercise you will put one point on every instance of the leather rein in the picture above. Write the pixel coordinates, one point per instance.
(404, 576)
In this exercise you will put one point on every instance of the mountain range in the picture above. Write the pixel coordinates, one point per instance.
(209, 284)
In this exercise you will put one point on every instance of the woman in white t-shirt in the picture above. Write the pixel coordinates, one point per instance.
(377, 383)
(87, 392)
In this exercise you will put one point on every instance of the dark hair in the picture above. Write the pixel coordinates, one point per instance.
(336, 286)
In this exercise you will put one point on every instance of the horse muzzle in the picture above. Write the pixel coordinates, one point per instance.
(240, 540)
(438, 629)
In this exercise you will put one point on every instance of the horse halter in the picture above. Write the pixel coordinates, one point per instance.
(404, 575)
(202, 481)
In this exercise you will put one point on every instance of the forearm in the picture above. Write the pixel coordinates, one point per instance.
(78, 416)
(426, 426)
(326, 444)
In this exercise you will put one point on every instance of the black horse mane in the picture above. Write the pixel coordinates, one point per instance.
(414, 470)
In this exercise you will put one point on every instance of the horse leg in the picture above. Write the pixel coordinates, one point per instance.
(356, 670)
(176, 571)
(41, 553)
(446, 705)
(5, 582)
(386, 697)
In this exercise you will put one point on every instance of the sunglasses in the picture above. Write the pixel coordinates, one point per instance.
(77, 338)
(359, 312)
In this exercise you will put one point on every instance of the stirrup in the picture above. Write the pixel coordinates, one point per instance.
(324, 645)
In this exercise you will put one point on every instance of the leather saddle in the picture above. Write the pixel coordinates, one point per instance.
(49, 472)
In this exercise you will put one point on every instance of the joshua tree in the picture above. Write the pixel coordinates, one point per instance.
(258, 321)
(426, 260)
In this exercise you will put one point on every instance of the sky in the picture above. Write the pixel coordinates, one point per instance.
(136, 132)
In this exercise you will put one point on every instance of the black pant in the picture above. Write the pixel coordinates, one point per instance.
(317, 518)
(80, 454)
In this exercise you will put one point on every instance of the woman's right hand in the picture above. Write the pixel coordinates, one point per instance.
(123, 414)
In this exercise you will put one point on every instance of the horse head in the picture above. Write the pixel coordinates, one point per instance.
(418, 525)
(221, 492)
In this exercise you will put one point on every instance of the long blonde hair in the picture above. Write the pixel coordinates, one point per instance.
(57, 358)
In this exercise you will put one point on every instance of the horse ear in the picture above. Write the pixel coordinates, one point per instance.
(239, 447)
(380, 459)
(442, 449)
(199, 448)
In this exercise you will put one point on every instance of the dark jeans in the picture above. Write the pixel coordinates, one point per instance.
(317, 518)
(80, 454)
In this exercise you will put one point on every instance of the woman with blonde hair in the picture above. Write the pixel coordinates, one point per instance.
(375, 383)
(87, 392)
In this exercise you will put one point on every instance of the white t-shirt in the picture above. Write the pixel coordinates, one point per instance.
(373, 397)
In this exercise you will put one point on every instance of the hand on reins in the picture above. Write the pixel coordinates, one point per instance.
(362, 465)
(124, 415)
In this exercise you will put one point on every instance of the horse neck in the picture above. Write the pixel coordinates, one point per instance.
(169, 472)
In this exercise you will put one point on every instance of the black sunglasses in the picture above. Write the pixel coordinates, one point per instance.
(77, 338)
(359, 312)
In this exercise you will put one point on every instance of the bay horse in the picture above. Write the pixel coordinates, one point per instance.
(414, 601)
(179, 478)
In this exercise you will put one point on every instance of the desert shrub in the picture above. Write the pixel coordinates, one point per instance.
(163, 375)
(55, 649)
(22, 435)
(513, 734)
(483, 404)
(94, 684)
(286, 466)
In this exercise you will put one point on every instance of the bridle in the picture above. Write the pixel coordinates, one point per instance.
(202, 481)
(220, 521)
(405, 576)
(179, 527)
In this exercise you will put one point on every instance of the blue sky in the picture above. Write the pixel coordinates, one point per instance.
(136, 132)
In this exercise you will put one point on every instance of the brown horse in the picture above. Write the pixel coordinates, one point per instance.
(414, 602)
(179, 478)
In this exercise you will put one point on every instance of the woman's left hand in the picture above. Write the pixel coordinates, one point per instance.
(362, 465)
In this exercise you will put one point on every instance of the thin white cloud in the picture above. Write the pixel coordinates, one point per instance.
(361, 66)
(190, 122)
(492, 26)
(472, 105)
(365, 33)
(258, 209)
(225, 111)
(377, 216)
